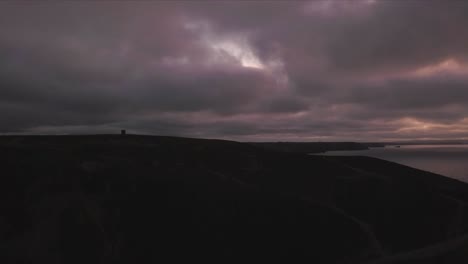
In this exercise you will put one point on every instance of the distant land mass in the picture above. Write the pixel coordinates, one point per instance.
(155, 199)
(321, 147)
(316, 147)
(429, 142)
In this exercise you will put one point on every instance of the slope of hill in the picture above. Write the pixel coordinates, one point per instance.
(147, 199)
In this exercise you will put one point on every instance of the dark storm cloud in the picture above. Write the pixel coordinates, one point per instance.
(70, 72)
(401, 35)
(236, 69)
(410, 94)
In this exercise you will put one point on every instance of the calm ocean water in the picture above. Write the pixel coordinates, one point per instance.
(448, 160)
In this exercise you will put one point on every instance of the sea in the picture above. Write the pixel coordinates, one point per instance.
(447, 160)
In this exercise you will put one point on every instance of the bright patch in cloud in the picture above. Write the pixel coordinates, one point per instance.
(225, 48)
(449, 66)
(238, 50)
(414, 124)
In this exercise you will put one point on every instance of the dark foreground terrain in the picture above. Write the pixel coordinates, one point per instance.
(144, 199)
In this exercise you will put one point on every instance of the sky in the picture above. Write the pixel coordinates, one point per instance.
(330, 70)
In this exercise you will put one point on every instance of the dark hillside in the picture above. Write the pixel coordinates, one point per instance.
(147, 199)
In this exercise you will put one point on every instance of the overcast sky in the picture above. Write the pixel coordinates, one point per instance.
(243, 70)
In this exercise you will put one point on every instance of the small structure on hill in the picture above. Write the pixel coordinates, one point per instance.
(123, 132)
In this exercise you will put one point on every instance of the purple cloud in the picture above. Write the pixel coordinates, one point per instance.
(245, 70)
